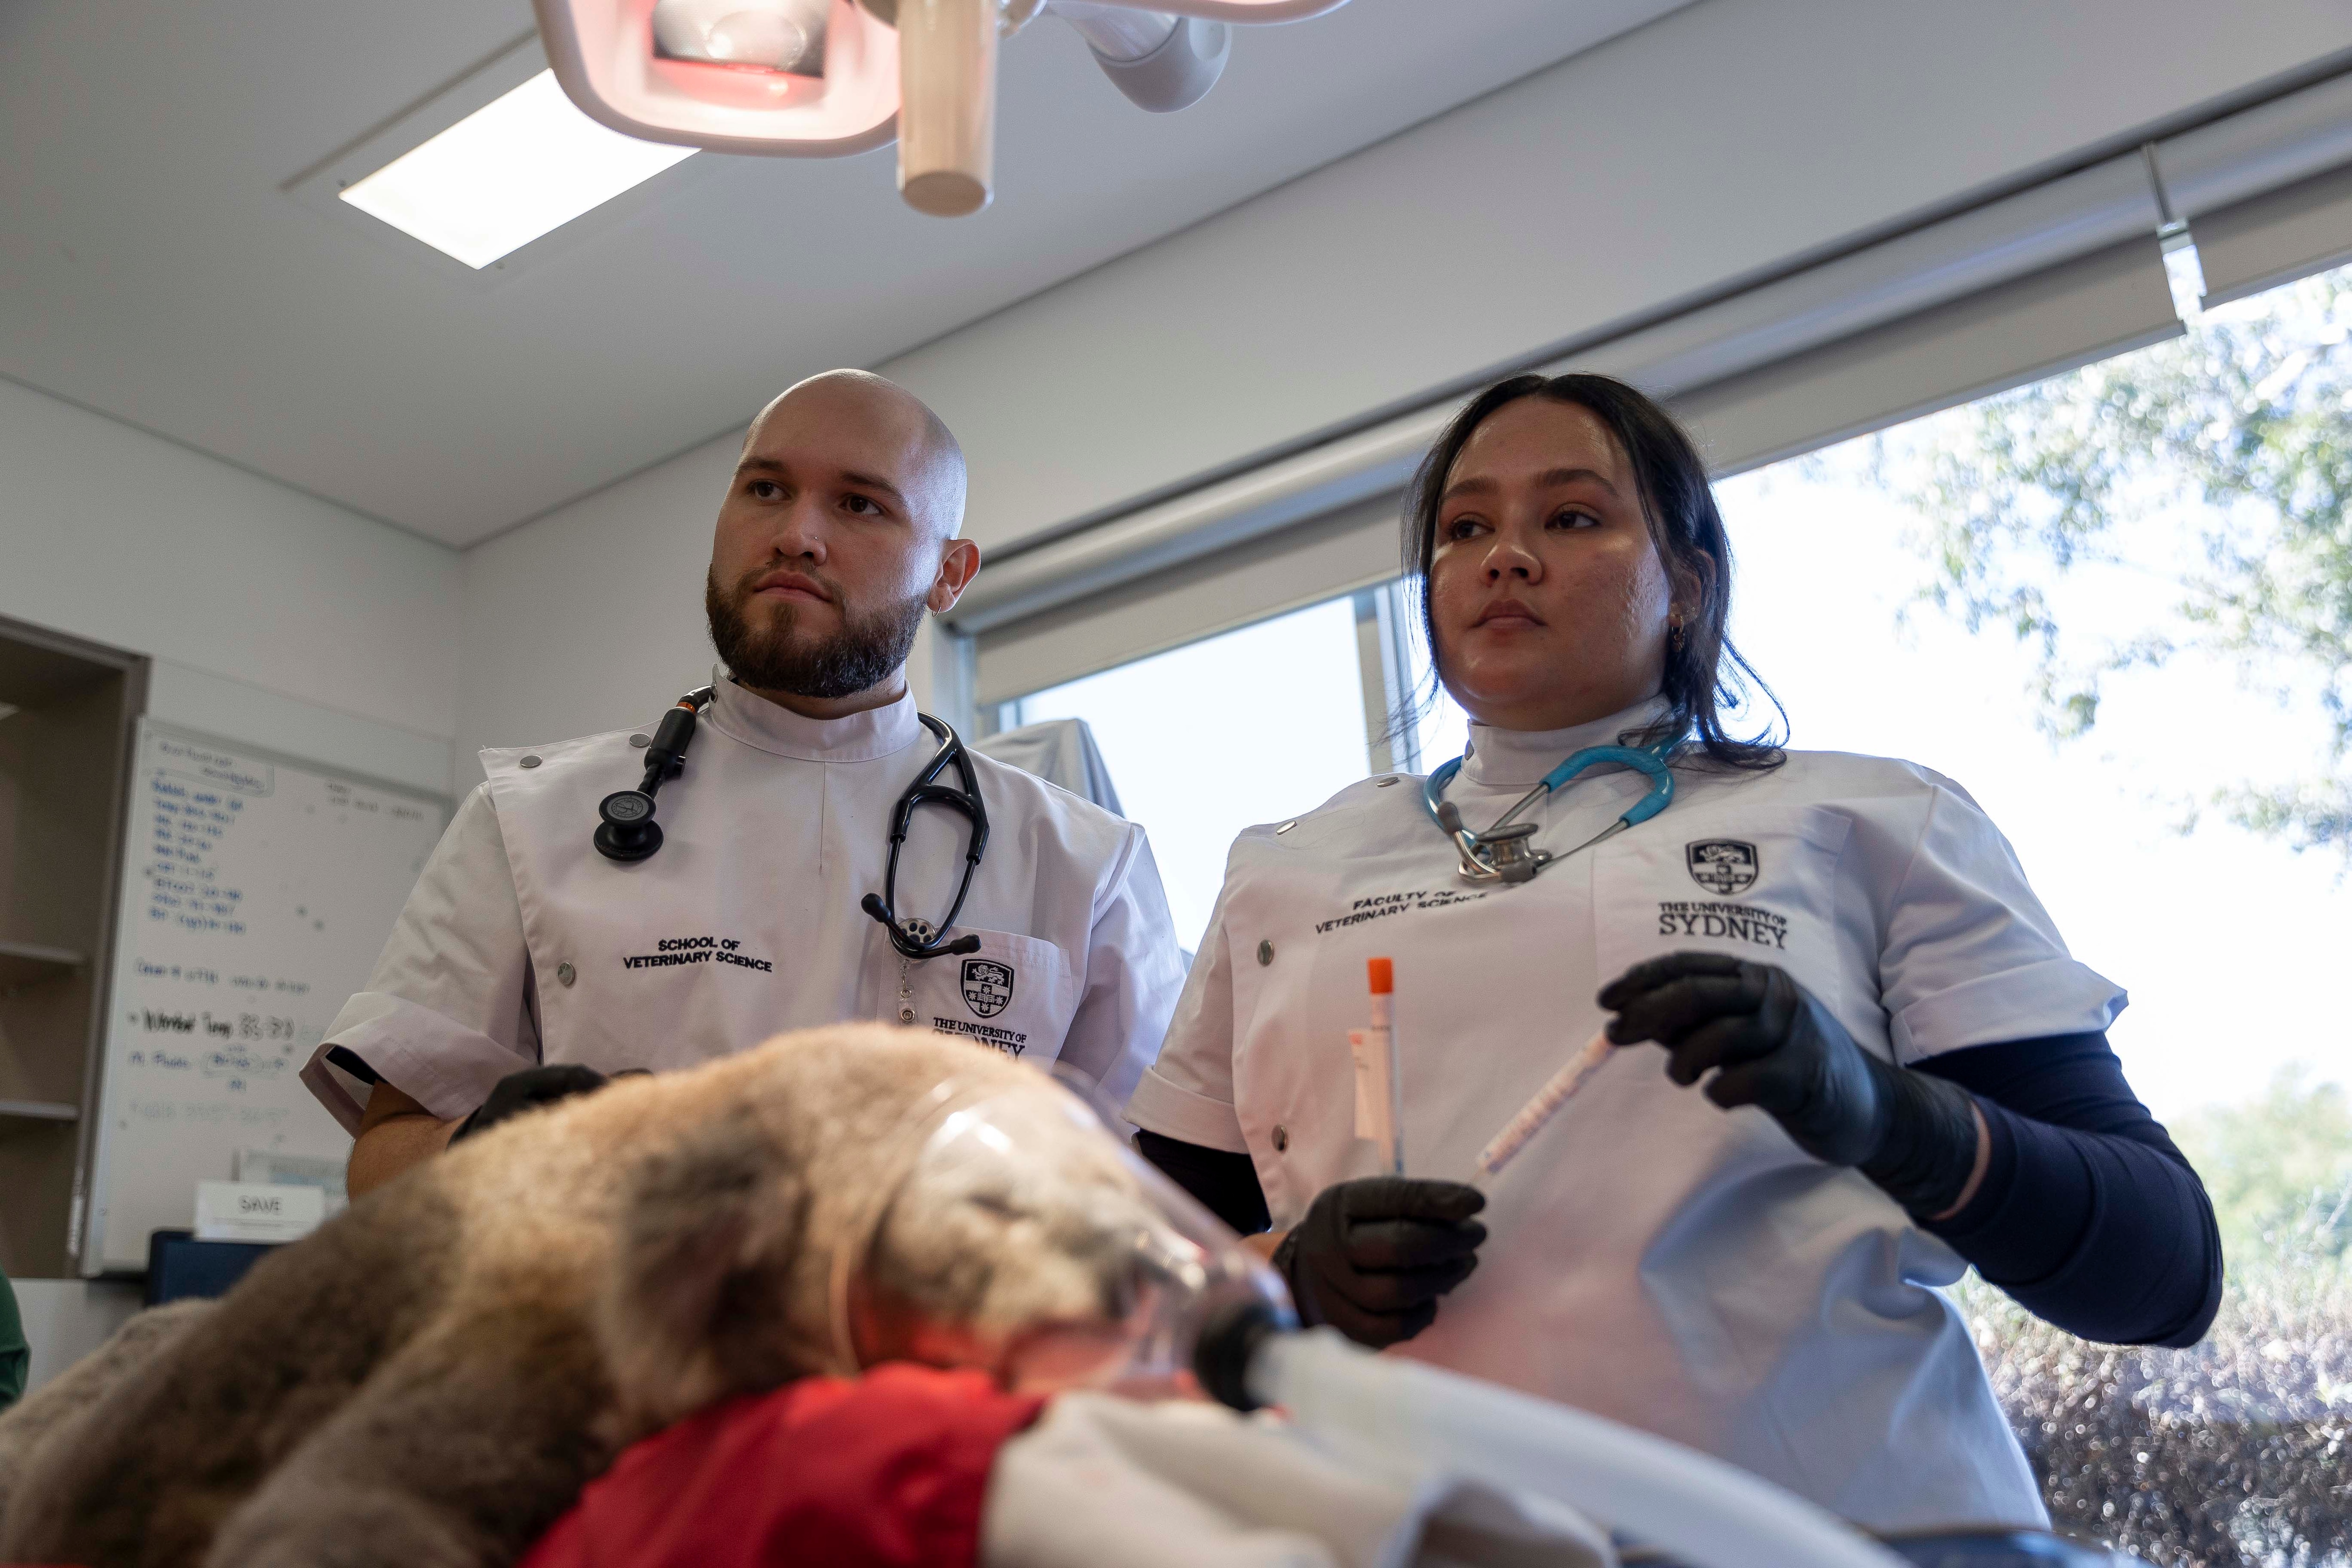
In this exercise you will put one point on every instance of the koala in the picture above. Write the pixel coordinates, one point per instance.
(430, 1377)
(25, 1426)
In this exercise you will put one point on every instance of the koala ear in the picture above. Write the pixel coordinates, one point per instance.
(696, 1307)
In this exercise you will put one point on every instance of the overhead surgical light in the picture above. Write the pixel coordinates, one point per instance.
(821, 78)
(784, 36)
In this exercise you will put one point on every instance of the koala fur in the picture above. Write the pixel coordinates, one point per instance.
(27, 1423)
(430, 1378)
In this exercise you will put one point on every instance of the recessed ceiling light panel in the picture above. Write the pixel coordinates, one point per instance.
(519, 167)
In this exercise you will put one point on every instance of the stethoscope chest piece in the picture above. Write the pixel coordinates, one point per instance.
(625, 829)
(1506, 853)
(1510, 852)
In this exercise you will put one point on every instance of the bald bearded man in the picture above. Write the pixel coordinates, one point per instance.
(528, 965)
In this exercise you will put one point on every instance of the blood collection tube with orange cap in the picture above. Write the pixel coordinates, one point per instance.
(1380, 1091)
(1379, 1077)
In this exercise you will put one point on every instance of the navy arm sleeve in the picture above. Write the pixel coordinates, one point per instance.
(1226, 1183)
(2088, 1216)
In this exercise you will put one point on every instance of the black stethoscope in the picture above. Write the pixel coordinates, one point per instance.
(628, 832)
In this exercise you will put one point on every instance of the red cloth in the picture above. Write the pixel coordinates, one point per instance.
(887, 1470)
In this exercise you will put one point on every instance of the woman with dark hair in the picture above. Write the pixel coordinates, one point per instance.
(1905, 1072)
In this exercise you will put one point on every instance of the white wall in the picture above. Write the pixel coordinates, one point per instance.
(1726, 142)
(273, 617)
(591, 619)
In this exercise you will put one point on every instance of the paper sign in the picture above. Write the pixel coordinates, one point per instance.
(269, 1166)
(258, 1211)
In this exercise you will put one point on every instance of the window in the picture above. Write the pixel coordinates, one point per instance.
(1205, 740)
(2113, 606)
(2116, 827)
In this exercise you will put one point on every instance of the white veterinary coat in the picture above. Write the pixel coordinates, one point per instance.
(522, 944)
(1652, 1257)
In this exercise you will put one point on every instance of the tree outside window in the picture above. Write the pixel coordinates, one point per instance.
(2117, 606)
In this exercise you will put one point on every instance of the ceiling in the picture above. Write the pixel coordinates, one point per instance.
(153, 267)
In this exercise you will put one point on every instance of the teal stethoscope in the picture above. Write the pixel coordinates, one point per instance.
(1504, 853)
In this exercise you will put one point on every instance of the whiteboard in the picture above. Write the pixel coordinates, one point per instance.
(256, 892)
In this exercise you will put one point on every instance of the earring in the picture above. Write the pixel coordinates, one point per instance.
(1674, 633)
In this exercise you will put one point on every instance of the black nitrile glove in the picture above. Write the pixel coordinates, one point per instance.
(1373, 1254)
(528, 1090)
(1776, 1047)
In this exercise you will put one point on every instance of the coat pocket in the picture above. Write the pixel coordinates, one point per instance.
(1016, 995)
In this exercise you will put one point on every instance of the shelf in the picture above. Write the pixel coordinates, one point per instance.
(39, 1111)
(22, 963)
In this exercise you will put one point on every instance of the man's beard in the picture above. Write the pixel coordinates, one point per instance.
(867, 650)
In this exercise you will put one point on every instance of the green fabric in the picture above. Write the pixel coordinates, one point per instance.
(16, 1356)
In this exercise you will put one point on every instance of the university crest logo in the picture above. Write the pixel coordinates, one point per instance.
(987, 987)
(1722, 866)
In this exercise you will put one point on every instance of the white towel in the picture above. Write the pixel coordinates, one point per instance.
(1100, 1479)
